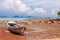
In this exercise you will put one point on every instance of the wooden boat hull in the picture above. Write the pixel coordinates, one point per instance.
(20, 30)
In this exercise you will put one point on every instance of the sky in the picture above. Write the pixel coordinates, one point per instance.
(36, 8)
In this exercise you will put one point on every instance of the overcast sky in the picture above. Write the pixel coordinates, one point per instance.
(40, 8)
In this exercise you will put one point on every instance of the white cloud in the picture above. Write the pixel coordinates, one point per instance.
(16, 5)
(19, 6)
(40, 10)
(53, 12)
(31, 12)
(45, 3)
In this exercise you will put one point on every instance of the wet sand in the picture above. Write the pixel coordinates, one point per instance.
(34, 32)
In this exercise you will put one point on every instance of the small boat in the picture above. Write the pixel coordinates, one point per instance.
(15, 28)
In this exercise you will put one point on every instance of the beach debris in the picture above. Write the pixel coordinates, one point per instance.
(59, 22)
(49, 22)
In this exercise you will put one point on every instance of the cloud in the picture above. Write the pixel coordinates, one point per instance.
(40, 10)
(53, 12)
(45, 3)
(31, 7)
(16, 5)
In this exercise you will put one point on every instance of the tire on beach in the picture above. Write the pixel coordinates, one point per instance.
(20, 30)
